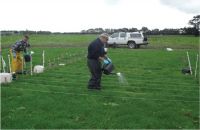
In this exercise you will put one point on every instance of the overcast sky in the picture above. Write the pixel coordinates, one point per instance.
(77, 15)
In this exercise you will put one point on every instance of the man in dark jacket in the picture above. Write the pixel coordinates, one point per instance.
(96, 54)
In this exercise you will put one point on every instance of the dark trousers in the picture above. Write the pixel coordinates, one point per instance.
(96, 73)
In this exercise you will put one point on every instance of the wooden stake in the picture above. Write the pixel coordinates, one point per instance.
(189, 63)
(9, 63)
(196, 66)
(3, 64)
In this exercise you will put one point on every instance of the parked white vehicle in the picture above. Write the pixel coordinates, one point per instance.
(132, 39)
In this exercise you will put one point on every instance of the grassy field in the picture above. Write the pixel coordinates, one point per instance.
(179, 42)
(156, 95)
(158, 41)
(51, 40)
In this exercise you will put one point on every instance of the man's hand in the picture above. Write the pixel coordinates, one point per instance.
(105, 60)
(26, 53)
(101, 58)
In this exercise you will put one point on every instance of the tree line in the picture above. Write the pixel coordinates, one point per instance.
(194, 30)
(180, 31)
(167, 31)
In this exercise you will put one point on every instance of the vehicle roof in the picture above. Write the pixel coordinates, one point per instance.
(129, 32)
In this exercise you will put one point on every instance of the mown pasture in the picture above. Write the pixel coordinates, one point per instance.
(156, 95)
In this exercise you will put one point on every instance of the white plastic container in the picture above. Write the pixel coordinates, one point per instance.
(5, 78)
(106, 49)
(38, 69)
(169, 49)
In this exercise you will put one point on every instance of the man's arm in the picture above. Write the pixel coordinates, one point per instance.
(101, 58)
(16, 46)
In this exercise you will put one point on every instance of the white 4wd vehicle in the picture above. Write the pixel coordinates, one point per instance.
(132, 39)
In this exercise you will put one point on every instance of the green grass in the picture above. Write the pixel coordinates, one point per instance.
(157, 96)
(50, 40)
(161, 41)
(174, 41)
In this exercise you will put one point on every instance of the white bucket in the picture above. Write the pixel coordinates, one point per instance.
(61, 64)
(106, 49)
(169, 49)
(38, 69)
(5, 78)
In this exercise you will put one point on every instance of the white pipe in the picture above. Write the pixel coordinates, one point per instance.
(196, 66)
(189, 63)
(49, 64)
(3, 64)
(9, 63)
(31, 65)
(22, 64)
(43, 58)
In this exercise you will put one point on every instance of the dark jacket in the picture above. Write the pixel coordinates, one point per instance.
(20, 46)
(96, 49)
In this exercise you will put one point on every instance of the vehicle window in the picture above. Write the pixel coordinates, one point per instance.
(122, 35)
(115, 35)
(135, 35)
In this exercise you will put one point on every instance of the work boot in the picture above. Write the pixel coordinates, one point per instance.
(98, 87)
(14, 76)
(91, 87)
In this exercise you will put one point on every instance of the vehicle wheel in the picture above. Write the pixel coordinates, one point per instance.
(114, 45)
(137, 46)
(132, 45)
(109, 45)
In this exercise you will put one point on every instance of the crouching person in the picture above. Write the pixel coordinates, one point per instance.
(16, 56)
